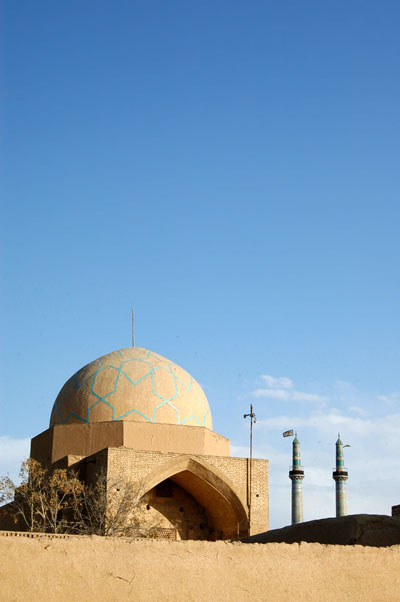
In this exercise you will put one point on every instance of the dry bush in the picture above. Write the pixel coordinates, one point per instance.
(112, 507)
(43, 499)
(58, 502)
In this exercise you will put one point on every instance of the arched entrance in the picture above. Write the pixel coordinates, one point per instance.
(195, 500)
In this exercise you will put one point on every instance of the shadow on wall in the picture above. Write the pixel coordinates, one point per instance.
(169, 505)
(358, 529)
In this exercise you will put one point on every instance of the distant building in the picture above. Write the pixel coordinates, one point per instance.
(340, 476)
(296, 475)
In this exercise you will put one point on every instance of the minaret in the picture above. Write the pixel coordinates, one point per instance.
(296, 474)
(340, 476)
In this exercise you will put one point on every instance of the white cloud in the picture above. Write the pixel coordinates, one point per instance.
(358, 410)
(272, 393)
(286, 395)
(280, 382)
(301, 396)
(345, 392)
(12, 452)
(324, 421)
(281, 388)
(391, 398)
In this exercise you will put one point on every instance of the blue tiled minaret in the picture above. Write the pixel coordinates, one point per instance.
(296, 475)
(340, 476)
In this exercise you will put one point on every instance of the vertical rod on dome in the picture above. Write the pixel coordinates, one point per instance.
(133, 328)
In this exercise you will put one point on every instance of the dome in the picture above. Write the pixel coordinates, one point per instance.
(132, 384)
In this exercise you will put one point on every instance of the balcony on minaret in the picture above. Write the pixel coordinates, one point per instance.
(296, 470)
(340, 471)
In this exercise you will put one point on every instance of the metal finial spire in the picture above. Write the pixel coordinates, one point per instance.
(133, 328)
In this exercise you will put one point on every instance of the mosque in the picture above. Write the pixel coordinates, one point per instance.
(140, 417)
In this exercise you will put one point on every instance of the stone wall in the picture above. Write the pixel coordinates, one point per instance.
(72, 569)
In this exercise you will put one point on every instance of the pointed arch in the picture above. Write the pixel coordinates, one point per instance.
(211, 489)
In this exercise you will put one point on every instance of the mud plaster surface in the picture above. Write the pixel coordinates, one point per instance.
(100, 569)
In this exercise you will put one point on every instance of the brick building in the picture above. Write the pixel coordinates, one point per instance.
(140, 417)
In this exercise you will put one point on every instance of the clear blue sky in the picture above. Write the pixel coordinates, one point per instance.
(231, 169)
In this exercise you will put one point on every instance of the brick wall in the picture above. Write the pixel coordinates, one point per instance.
(138, 465)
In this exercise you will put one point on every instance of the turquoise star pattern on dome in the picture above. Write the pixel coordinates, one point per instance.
(132, 384)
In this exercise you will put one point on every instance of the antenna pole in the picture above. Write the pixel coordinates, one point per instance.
(252, 421)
